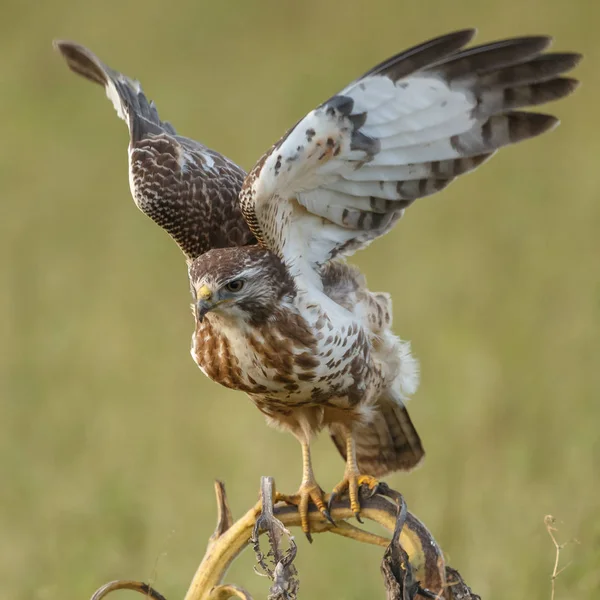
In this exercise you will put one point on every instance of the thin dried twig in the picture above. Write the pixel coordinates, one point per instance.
(550, 521)
(224, 518)
(126, 584)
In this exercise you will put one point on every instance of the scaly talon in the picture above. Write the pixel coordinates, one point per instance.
(352, 483)
(309, 491)
(353, 480)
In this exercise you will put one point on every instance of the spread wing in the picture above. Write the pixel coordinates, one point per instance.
(406, 129)
(189, 190)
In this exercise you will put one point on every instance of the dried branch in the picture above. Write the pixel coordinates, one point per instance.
(125, 584)
(223, 592)
(426, 557)
(224, 517)
(413, 564)
(458, 588)
(283, 574)
(549, 521)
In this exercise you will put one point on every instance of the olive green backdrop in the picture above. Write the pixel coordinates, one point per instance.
(110, 437)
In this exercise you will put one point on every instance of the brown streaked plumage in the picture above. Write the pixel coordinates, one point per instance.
(186, 188)
(286, 320)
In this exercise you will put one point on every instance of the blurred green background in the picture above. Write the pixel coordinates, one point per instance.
(110, 437)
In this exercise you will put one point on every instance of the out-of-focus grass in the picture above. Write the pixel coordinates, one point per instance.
(109, 435)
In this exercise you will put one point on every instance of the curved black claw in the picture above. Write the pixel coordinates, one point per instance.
(332, 497)
(357, 517)
(308, 537)
(327, 515)
(369, 492)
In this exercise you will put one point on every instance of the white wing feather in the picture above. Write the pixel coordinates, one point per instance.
(346, 172)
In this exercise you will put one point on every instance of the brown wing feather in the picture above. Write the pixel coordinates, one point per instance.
(388, 443)
(186, 188)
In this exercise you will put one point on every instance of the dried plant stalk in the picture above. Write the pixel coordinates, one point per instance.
(425, 556)
(413, 565)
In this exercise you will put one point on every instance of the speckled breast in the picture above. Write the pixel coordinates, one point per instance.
(284, 362)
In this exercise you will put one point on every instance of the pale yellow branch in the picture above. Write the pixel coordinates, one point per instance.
(224, 517)
(360, 535)
(230, 538)
(223, 592)
(426, 558)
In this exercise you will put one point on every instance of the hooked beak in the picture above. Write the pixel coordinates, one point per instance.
(202, 307)
(204, 303)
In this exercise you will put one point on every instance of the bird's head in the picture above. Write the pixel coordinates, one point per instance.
(245, 282)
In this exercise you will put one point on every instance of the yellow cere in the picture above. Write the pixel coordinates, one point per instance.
(204, 293)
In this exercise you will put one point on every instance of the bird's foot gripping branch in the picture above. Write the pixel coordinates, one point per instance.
(413, 566)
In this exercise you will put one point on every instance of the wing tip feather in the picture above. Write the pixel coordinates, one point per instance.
(566, 60)
(81, 61)
(462, 36)
(523, 125)
(564, 86)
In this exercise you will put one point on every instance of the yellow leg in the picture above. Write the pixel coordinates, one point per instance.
(309, 491)
(353, 479)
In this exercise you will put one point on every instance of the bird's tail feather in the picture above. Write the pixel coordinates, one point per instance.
(126, 94)
(388, 443)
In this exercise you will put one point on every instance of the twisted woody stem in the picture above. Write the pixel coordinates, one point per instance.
(413, 564)
(424, 555)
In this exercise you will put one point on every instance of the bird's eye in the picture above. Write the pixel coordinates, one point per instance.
(235, 286)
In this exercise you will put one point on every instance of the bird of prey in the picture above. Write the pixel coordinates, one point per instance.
(279, 314)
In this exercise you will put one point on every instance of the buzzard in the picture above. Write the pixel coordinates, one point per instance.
(279, 314)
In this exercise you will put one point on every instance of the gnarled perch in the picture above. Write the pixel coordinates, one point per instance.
(413, 563)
